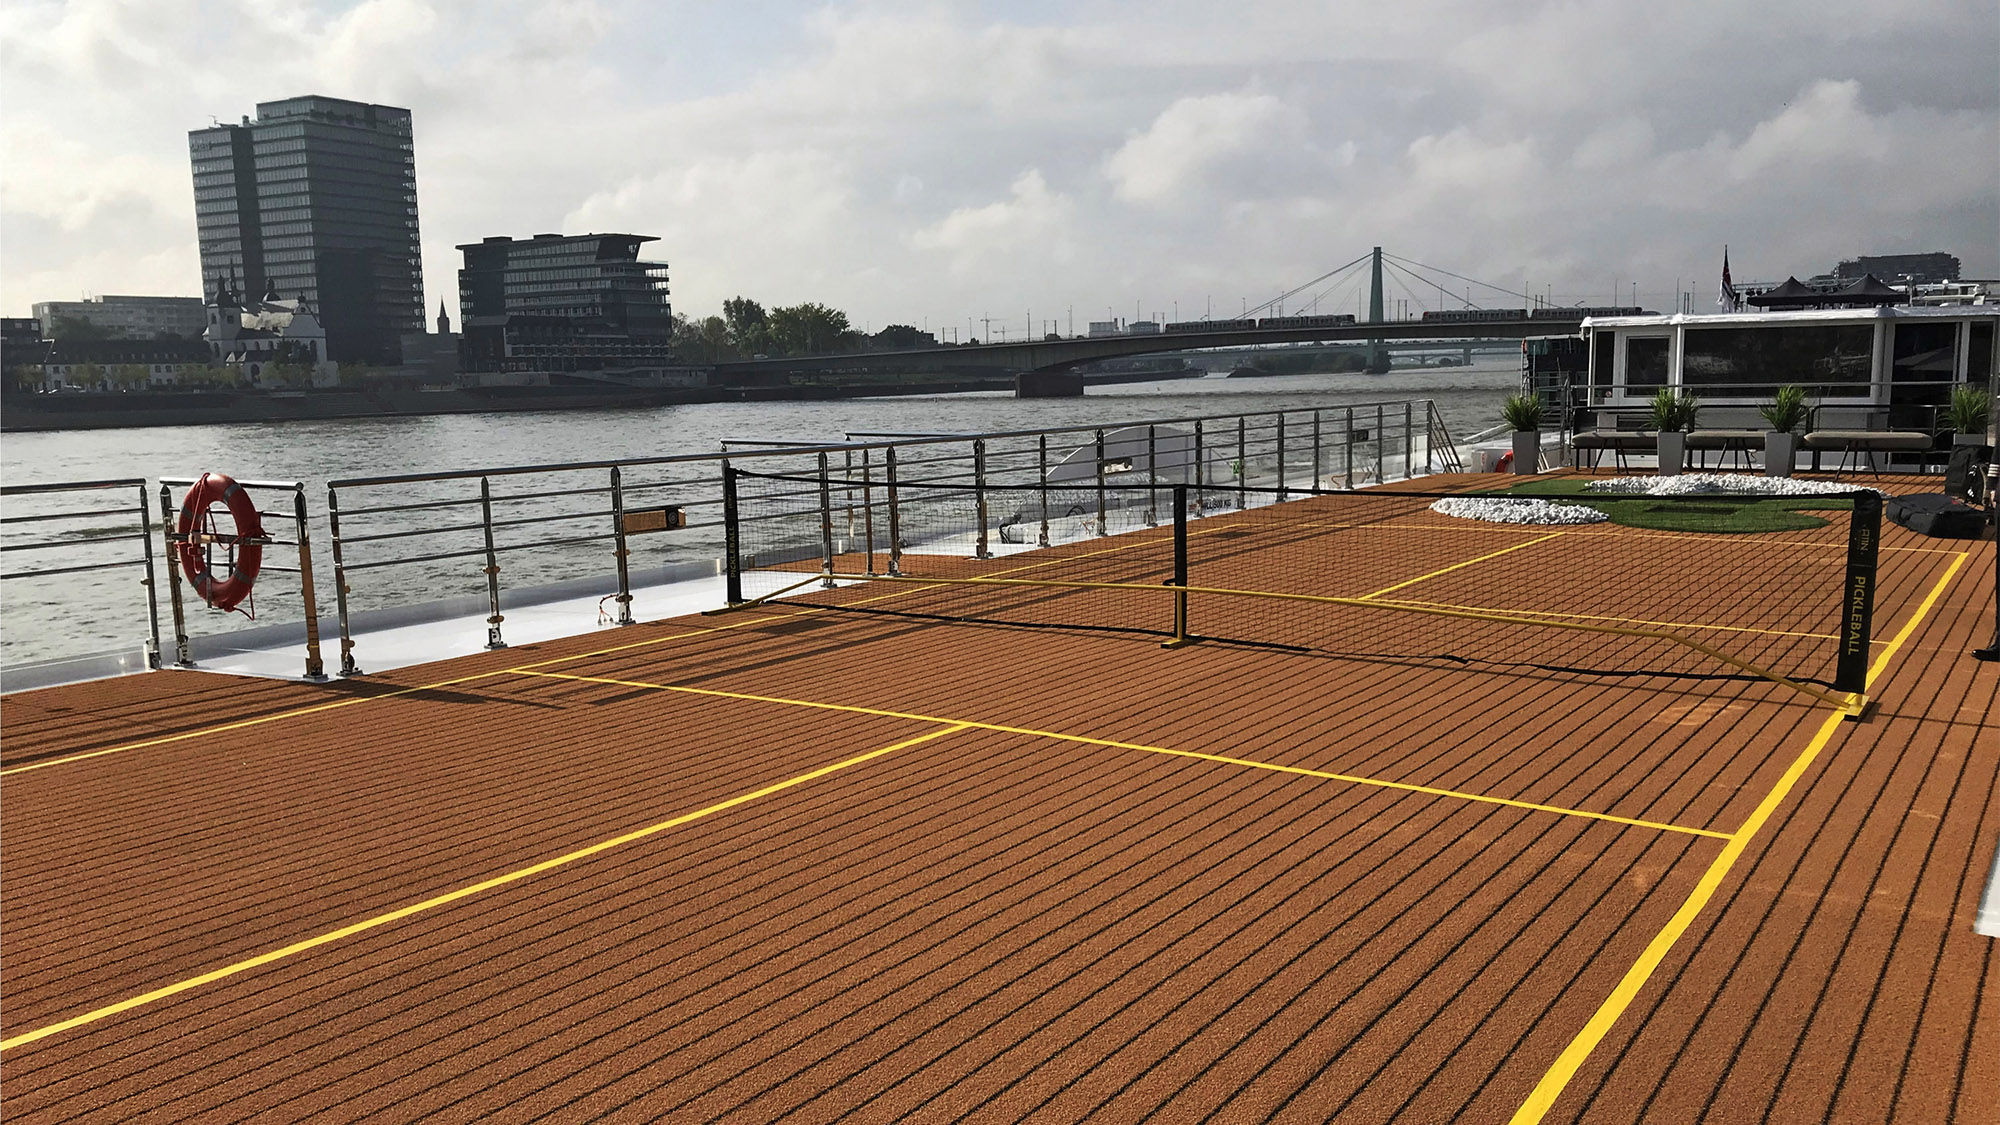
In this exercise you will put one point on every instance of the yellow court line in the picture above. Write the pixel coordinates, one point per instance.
(464, 892)
(1626, 620)
(1545, 1093)
(1001, 728)
(297, 712)
(1458, 566)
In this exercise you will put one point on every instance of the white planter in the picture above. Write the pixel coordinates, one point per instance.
(1781, 451)
(1672, 452)
(1527, 451)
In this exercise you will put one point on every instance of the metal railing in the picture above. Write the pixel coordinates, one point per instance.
(583, 517)
(54, 531)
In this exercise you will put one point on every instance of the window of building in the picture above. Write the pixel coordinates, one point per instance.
(1645, 363)
(1754, 362)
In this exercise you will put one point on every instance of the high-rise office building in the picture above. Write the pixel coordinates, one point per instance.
(579, 302)
(316, 200)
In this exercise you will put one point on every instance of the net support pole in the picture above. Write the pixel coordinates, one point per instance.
(868, 508)
(1180, 579)
(1152, 476)
(1282, 496)
(732, 539)
(1409, 438)
(1381, 450)
(980, 545)
(1242, 464)
(183, 658)
(1864, 533)
(493, 639)
(895, 513)
(1200, 471)
(1347, 479)
(1430, 427)
(825, 525)
(1318, 468)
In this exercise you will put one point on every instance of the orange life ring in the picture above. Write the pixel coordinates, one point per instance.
(196, 527)
(1505, 463)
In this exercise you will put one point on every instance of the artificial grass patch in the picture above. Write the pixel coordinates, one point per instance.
(1722, 515)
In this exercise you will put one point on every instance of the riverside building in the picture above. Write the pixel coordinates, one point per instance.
(318, 197)
(124, 317)
(581, 302)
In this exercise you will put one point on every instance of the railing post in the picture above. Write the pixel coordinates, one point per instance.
(1318, 472)
(1152, 476)
(1430, 429)
(347, 665)
(183, 658)
(1103, 524)
(492, 567)
(979, 545)
(1381, 451)
(847, 489)
(868, 508)
(1242, 465)
(1347, 444)
(825, 525)
(315, 668)
(1042, 465)
(619, 548)
(1200, 472)
(152, 592)
(1409, 438)
(895, 514)
(1282, 496)
(732, 539)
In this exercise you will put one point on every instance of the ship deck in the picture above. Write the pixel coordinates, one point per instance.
(790, 863)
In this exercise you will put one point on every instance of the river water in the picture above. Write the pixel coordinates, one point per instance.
(46, 618)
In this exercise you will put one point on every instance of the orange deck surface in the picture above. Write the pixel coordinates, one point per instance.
(791, 863)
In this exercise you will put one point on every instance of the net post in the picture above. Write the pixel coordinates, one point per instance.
(1409, 438)
(1042, 485)
(1381, 450)
(980, 545)
(183, 657)
(1864, 533)
(1318, 472)
(895, 513)
(1430, 428)
(825, 525)
(493, 620)
(1103, 524)
(619, 548)
(1180, 578)
(732, 539)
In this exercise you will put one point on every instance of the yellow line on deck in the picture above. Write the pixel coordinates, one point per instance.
(1462, 565)
(1545, 1093)
(297, 712)
(468, 891)
(1001, 728)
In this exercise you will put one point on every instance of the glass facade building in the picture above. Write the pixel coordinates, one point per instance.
(563, 303)
(316, 199)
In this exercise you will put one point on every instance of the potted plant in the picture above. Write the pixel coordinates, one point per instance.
(1967, 414)
(1523, 415)
(1673, 413)
(1785, 413)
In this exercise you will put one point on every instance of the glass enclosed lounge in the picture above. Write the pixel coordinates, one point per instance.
(1883, 367)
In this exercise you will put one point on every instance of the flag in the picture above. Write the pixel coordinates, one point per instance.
(1727, 300)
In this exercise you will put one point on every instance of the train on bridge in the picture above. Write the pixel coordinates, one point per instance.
(1560, 313)
(1555, 313)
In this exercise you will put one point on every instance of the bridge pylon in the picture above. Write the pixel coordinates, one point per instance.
(1378, 358)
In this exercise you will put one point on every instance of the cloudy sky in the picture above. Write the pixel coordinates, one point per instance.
(934, 163)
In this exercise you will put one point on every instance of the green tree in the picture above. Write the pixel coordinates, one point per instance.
(24, 377)
(127, 376)
(808, 329)
(749, 327)
(902, 336)
(88, 375)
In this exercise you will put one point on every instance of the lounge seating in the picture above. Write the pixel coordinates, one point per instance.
(1859, 446)
(1618, 432)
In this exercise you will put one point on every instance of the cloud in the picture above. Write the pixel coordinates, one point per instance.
(904, 161)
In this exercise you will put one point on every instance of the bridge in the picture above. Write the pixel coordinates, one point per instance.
(1066, 353)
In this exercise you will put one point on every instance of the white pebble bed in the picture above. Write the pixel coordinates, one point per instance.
(1524, 510)
(1706, 484)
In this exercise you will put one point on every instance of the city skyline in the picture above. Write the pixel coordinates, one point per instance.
(934, 163)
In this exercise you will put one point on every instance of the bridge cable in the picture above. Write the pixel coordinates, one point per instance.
(1275, 301)
(1461, 277)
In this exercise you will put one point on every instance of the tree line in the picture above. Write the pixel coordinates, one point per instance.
(747, 330)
